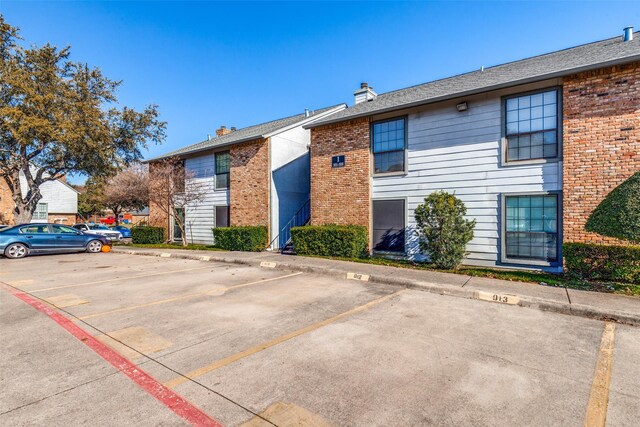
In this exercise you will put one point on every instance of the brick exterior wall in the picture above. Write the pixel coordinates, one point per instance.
(249, 183)
(64, 219)
(341, 195)
(157, 217)
(601, 142)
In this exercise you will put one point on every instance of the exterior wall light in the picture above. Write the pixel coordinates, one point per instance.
(462, 106)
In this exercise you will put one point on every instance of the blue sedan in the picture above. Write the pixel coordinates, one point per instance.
(126, 233)
(22, 240)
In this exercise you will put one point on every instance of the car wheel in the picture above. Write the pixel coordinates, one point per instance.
(94, 246)
(16, 250)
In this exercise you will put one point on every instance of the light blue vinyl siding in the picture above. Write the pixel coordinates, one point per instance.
(460, 152)
(200, 218)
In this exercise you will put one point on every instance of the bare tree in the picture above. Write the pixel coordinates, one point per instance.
(127, 190)
(174, 191)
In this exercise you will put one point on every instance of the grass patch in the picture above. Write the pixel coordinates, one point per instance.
(548, 279)
(171, 246)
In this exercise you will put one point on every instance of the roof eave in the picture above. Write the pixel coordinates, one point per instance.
(261, 136)
(548, 76)
(306, 120)
(200, 150)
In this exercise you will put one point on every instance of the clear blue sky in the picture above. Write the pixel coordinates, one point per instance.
(207, 64)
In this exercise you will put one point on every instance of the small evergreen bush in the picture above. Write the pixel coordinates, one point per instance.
(443, 230)
(602, 262)
(248, 239)
(346, 241)
(147, 235)
(618, 215)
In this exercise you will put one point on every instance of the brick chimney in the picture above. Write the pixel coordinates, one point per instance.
(223, 131)
(365, 93)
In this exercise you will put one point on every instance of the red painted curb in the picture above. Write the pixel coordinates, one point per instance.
(166, 396)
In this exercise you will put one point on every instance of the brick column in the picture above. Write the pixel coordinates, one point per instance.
(601, 142)
(341, 195)
(250, 179)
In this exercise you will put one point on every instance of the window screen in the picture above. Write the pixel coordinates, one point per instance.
(532, 126)
(223, 164)
(532, 227)
(388, 225)
(388, 146)
(222, 216)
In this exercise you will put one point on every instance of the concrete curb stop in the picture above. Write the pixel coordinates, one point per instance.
(520, 300)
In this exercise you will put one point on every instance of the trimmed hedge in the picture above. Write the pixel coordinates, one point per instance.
(603, 262)
(248, 239)
(147, 235)
(618, 215)
(347, 241)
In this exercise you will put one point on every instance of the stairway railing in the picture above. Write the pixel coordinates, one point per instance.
(300, 218)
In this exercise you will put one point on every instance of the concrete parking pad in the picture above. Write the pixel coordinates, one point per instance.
(36, 360)
(288, 414)
(421, 360)
(133, 342)
(66, 300)
(624, 394)
(267, 346)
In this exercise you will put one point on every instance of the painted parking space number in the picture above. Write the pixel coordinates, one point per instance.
(358, 276)
(501, 298)
(268, 264)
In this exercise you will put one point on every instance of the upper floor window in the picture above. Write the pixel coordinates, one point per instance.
(42, 212)
(389, 144)
(531, 126)
(223, 164)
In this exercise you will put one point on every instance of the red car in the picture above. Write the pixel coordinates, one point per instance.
(108, 220)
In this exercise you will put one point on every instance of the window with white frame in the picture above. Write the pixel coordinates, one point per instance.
(42, 212)
(532, 227)
(223, 165)
(531, 126)
(389, 143)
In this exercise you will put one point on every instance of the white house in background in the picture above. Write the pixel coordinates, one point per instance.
(59, 202)
(256, 176)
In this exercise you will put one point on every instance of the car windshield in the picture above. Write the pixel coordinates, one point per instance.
(98, 227)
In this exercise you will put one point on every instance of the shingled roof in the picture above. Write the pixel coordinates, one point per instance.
(603, 53)
(262, 130)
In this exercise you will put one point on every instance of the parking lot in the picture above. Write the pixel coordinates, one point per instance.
(263, 346)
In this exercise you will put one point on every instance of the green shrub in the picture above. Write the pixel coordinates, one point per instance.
(147, 235)
(248, 239)
(443, 230)
(347, 241)
(618, 215)
(602, 262)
